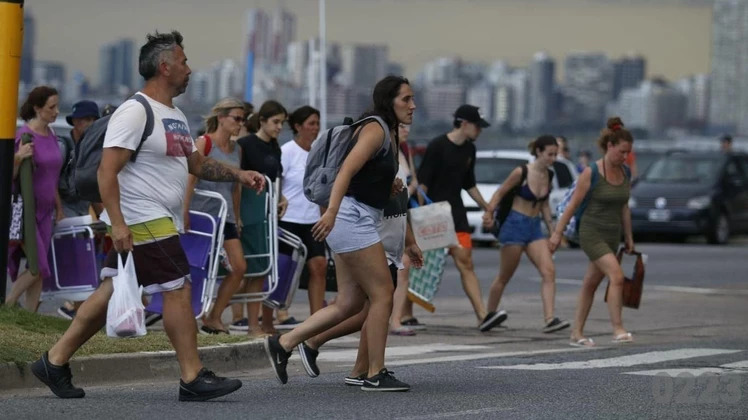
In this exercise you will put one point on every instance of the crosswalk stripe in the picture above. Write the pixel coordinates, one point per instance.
(349, 355)
(662, 288)
(730, 368)
(622, 361)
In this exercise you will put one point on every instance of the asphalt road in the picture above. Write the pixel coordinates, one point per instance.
(689, 360)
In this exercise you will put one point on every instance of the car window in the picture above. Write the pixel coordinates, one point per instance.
(563, 175)
(684, 169)
(495, 170)
(733, 170)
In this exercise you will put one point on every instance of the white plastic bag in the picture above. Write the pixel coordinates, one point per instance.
(125, 315)
(433, 226)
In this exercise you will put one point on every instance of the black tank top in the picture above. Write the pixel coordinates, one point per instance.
(373, 183)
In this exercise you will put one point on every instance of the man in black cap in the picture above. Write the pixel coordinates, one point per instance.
(449, 167)
(84, 114)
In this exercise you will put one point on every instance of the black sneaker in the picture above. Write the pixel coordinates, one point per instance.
(555, 324)
(57, 378)
(355, 380)
(288, 324)
(384, 381)
(309, 359)
(493, 319)
(413, 324)
(278, 357)
(207, 386)
(152, 318)
(66, 313)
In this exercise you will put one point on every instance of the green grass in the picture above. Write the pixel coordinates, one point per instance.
(24, 336)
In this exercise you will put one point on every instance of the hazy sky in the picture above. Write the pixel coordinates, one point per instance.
(673, 34)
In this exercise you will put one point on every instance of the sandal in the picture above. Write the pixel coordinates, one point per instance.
(582, 342)
(623, 338)
(212, 331)
(403, 331)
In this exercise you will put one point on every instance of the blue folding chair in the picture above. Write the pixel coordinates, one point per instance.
(289, 268)
(201, 244)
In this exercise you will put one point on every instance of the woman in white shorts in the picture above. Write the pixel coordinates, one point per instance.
(362, 189)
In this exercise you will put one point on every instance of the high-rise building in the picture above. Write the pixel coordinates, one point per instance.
(27, 54)
(283, 32)
(443, 70)
(696, 89)
(258, 34)
(363, 65)
(441, 101)
(728, 109)
(542, 87)
(653, 106)
(518, 83)
(482, 95)
(117, 65)
(50, 73)
(588, 87)
(628, 72)
(269, 34)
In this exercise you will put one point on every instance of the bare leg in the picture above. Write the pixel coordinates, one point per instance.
(609, 265)
(540, 256)
(180, 326)
(229, 285)
(591, 281)
(90, 318)
(23, 282)
(510, 256)
(317, 278)
(362, 356)
(349, 326)
(33, 293)
(401, 295)
(254, 285)
(350, 301)
(464, 261)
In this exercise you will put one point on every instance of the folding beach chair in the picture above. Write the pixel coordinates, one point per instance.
(73, 259)
(263, 263)
(289, 269)
(201, 244)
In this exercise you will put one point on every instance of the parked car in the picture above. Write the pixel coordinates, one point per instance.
(492, 167)
(692, 193)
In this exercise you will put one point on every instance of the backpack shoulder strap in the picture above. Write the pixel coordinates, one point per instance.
(208, 144)
(594, 175)
(148, 123)
(523, 178)
(627, 171)
(550, 178)
(386, 144)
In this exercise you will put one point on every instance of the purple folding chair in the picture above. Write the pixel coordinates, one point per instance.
(199, 245)
(289, 271)
(75, 271)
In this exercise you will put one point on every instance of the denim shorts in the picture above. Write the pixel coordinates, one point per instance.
(519, 229)
(356, 227)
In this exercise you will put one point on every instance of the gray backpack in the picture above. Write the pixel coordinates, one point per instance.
(89, 148)
(327, 155)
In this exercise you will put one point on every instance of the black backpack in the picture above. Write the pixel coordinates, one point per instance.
(66, 186)
(89, 148)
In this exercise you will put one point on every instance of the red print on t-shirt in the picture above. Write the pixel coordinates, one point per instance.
(178, 139)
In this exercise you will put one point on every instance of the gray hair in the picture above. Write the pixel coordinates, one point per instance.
(151, 53)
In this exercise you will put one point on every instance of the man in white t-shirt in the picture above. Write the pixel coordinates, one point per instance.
(143, 201)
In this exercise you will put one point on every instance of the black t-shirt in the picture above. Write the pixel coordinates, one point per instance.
(260, 156)
(372, 184)
(446, 170)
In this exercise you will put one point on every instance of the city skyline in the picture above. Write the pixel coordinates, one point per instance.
(414, 36)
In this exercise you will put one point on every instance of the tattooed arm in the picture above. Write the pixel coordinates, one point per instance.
(212, 170)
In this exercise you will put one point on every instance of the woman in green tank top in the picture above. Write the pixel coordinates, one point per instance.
(606, 215)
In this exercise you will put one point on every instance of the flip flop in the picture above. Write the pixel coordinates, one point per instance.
(212, 331)
(623, 338)
(582, 342)
(403, 331)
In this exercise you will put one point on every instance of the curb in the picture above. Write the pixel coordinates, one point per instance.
(136, 367)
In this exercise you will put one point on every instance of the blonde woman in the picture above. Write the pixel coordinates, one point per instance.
(225, 120)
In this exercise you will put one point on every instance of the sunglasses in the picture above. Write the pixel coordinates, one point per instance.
(237, 118)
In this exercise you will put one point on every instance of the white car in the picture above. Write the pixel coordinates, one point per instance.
(492, 167)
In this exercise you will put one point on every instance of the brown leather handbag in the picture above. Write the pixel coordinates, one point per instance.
(632, 286)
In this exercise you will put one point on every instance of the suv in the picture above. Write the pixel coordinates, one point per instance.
(684, 193)
(492, 167)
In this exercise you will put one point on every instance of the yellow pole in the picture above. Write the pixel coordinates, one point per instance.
(11, 45)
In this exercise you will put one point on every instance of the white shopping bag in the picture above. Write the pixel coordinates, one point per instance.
(125, 315)
(433, 226)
